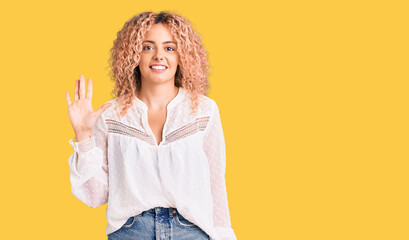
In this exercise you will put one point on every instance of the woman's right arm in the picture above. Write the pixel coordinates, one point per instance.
(89, 167)
(88, 164)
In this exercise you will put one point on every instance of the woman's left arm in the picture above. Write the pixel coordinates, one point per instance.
(214, 147)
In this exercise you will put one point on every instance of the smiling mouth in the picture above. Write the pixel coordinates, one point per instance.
(158, 67)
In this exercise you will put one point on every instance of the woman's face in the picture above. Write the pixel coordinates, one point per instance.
(159, 58)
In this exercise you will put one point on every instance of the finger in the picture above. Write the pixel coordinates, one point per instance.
(76, 95)
(67, 96)
(103, 108)
(89, 91)
(82, 87)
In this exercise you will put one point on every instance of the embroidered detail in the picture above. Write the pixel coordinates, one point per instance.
(198, 125)
(120, 128)
(86, 145)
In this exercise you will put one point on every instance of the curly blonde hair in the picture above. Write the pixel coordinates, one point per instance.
(191, 74)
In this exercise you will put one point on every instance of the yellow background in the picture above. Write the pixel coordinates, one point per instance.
(313, 100)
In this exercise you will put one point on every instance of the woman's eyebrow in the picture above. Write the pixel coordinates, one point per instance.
(149, 41)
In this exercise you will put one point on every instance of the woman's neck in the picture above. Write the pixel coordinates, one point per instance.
(157, 97)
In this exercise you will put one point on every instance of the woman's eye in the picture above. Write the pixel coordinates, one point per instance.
(150, 47)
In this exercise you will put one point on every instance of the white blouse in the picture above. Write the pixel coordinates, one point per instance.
(122, 164)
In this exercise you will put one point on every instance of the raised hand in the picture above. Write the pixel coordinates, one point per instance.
(81, 113)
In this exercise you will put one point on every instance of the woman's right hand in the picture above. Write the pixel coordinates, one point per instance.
(81, 113)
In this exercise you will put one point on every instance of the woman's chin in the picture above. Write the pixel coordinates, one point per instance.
(158, 80)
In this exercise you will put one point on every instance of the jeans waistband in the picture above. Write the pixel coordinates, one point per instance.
(162, 210)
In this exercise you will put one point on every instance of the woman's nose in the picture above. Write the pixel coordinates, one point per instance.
(158, 54)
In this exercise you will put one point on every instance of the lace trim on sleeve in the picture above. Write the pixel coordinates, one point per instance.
(86, 145)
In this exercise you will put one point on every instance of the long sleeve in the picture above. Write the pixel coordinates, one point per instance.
(89, 167)
(214, 147)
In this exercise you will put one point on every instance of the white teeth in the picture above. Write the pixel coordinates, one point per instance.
(158, 67)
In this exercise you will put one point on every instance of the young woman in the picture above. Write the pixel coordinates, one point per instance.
(156, 153)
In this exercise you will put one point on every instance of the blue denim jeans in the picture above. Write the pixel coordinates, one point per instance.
(159, 224)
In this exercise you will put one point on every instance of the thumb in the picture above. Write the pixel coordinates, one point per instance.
(103, 108)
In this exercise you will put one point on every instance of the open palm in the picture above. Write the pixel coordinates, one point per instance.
(81, 113)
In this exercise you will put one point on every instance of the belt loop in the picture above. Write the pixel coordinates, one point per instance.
(170, 212)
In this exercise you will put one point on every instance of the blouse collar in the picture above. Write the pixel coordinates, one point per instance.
(179, 96)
